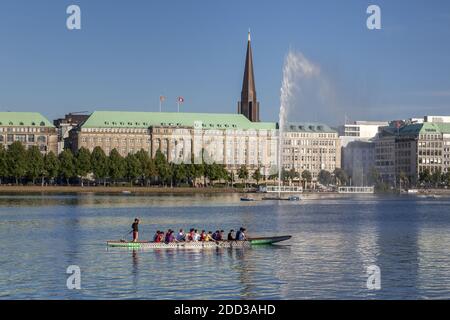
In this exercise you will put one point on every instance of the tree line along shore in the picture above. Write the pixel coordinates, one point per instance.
(29, 167)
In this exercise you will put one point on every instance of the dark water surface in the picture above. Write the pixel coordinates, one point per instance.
(334, 240)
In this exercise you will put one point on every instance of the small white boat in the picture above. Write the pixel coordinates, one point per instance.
(290, 198)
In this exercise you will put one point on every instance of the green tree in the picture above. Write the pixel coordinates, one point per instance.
(206, 167)
(341, 176)
(162, 167)
(425, 177)
(211, 172)
(82, 164)
(133, 166)
(147, 166)
(180, 173)
(446, 178)
(3, 163)
(403, 179)
(243, 174)
(292, 174)
(151, 172)
(99, 163)
(284, 175)
(324, 177)
(35, 163)
(199, 170)
(307, 177)
(374, 177)
(223, 173)
(17, 160)
(67, 165)
(117, 166)
(436, 177)
(257, 176)
(273, 176)
(51, 166)
(193, 172)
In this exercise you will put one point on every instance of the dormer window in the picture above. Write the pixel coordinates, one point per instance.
(42, 124)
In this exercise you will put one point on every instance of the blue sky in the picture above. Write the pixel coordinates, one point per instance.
(128, 53)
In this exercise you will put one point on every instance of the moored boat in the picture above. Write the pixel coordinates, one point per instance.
(198, 244)
(290, 198)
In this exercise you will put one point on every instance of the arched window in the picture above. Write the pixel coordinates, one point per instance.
(42, 124)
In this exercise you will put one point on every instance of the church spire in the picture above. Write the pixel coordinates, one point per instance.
(249, 106)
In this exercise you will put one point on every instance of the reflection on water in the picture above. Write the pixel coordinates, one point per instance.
(335, 238)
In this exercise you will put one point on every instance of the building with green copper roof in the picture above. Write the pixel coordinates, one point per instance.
(230, 139)
(409, 149)
(414, 129)
(29, 128)
(33, 119)
(140, 120)
(311, 127)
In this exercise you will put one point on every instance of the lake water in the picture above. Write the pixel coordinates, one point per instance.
(334, 240)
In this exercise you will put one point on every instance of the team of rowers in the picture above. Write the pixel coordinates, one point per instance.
(192, 235)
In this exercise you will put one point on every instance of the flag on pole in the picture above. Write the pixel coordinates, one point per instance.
(161, 100)
(180, 100)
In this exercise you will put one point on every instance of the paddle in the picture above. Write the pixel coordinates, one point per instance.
(121, 240)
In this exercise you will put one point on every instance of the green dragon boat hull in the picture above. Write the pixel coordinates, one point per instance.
(198, 244)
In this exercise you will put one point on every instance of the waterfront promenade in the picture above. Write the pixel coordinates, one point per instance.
(119, 190)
